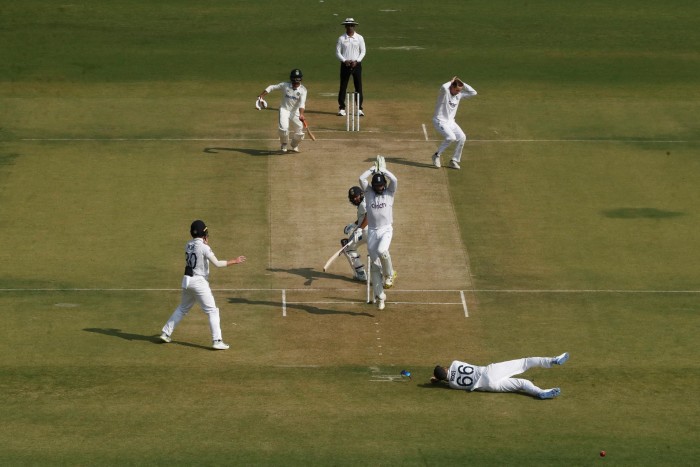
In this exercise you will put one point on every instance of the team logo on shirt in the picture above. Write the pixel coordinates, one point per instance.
(378, 205)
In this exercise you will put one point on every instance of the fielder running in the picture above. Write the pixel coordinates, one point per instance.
(444, 119)
(380, 217)
(195, 285)
(291, 113)
(498, 377)
(356, 233)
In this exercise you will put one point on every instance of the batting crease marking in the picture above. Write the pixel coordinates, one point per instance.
(513, 291)
(464, 304)
(654, 141)
(284, 303)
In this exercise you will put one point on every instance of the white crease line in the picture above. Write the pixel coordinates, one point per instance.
(464, 304)
(513, 291)
(284, 303)
(362, 302)
(635, 141)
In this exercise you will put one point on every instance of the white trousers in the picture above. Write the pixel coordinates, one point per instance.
(498, 377)
(451, 132)
(196, 289)
(289, 123)
(354, 257)
(378, 243)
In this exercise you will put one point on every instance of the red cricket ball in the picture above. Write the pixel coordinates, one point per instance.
(602, 453)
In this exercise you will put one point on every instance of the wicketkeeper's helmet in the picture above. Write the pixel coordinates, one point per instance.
(379, 183)
(199, 229)
(354, 193)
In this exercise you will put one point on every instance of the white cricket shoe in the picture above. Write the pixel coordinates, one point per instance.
(549, 393)
(389, 281)
(561, 359)
(283, 148)
(454, 164)
(295, 149)
(165, 338)
(361, 113)
(436, 160)
(219, 345)
(341, 112)
(379, 300)
(361, 275)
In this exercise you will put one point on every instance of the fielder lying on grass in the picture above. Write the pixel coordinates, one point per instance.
(498, 377)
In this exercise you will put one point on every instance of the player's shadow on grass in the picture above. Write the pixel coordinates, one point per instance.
(248, 151)
(306, 112)
(432, 386)
(401, 161)
(310, 274)
(307, 308)
(319, 112)
(154, 338)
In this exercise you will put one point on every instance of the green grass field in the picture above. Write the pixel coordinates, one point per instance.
(573, 226)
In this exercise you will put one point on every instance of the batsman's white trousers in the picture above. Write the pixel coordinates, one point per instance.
(290, 124)
(498, 377)
(196, 289)
(451, 132)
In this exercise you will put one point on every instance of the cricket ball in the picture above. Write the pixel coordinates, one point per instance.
(602, 453)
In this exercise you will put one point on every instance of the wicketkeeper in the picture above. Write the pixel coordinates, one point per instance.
(380, 217)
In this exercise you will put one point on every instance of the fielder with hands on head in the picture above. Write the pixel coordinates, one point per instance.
(195, 284)
(498, 377)
(446, 107)
(380, 217)
(291, 113)
(350, 50)
(356, 233)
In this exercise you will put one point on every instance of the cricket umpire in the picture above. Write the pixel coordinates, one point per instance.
(350, 50)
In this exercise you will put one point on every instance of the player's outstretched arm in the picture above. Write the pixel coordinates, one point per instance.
(239, 260)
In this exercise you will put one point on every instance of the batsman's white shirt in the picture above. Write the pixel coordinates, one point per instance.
(292, 99)
(380, 208)
(447, 104)
(361, 213)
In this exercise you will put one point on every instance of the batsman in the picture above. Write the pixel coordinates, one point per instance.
(379, 197)
(356, 233)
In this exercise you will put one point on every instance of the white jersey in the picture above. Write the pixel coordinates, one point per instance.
(462, 375)
(292, 99)
(197, 257)
(380, 208)
(447, 104)
(350, 48)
